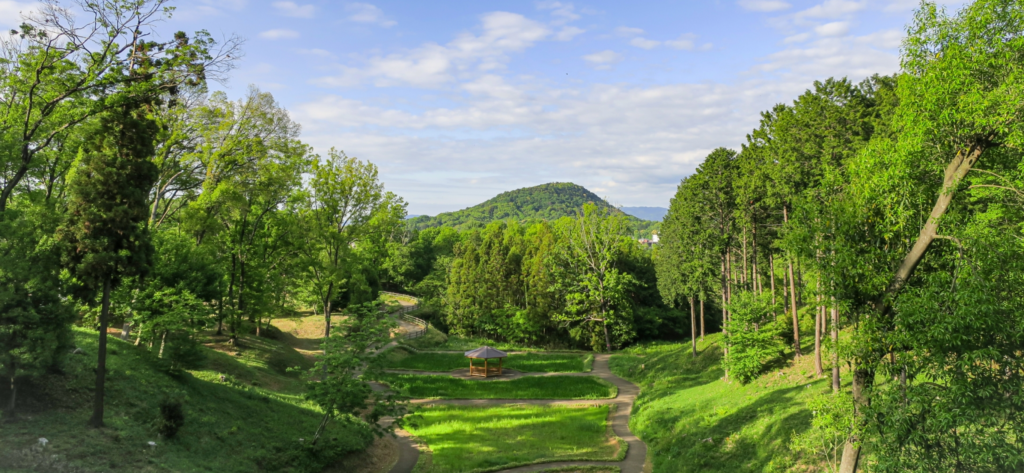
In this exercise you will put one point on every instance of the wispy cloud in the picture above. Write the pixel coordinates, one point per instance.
(367, 13)
(764, 5)
(295, 10)
(604, 59)
(279, 34)
(644, 43)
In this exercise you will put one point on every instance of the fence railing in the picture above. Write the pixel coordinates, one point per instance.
(423, 324)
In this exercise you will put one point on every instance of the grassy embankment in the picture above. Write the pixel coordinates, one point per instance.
(401, 358)
(533, 387)
(475, 439)
(694, 420)
(239, 425)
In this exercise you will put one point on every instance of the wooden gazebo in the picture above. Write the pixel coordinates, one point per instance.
(485, 353)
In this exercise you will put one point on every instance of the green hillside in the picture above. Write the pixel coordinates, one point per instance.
(544, 202)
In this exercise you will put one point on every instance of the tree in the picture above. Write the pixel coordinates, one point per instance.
(344, 201)
(34, 319)
(595, 290)
(959, 110)
(105, 234)
(339, 379)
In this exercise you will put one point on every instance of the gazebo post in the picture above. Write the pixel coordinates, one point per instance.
(485, 368)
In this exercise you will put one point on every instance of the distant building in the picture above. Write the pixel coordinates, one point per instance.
(654, 238)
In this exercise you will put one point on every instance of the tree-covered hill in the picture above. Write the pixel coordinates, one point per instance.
(544, 202)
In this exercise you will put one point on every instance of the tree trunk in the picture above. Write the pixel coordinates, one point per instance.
(138, 335)
(819, 319)
(14, 395)
(101, 363)
(835, 346)
(693, 327)
(957, 169)
(607, 340)
(792, 306)
(163, 343)
(851, 450)
(743, 277)
(702, 319)
(771, 262)
(725, 293)
(753, 260)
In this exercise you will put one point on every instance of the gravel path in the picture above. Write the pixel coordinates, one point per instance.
(636, 455)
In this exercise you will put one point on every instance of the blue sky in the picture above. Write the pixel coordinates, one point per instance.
(457, 101)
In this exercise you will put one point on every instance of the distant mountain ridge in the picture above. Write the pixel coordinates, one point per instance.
(544, 202)
(654, 214)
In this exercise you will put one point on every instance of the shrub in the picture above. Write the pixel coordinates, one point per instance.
(172, 417)
(754, 336)
(831, 425)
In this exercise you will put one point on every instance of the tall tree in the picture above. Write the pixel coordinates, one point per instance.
(105, 233)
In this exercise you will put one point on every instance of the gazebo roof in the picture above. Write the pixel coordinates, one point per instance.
(486, 352)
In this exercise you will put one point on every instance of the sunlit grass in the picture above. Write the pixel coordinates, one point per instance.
(464, 439)
(530, 362)
(547, 387)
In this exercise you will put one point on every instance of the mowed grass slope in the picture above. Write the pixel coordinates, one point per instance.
(228, 427)
(465, 439)
(694, 420)
(533, 387)
(529, 362)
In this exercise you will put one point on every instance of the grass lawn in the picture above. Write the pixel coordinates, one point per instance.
(530, 362)
(684, 401)
(533, 387)
(464, 439)
(228, 427)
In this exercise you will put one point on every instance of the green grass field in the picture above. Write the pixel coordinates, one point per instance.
(684, 401)
(533, 387)
(229, 427)
(529, 362)
(466, 439)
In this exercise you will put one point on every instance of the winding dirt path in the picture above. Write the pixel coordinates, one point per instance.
(636, 454)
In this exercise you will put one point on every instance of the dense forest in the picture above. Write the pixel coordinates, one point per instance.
(884, 214)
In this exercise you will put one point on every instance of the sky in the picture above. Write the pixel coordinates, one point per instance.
(457, 101)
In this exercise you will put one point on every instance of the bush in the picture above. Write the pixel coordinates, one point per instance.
(172, 417)
(831, 425)
(182, 352)
(754, 336)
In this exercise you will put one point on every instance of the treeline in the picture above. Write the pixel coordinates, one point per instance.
(133, 198)
(883, 220)
(578, 281)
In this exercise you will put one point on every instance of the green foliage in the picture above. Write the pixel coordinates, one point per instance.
(753, 335)
(530, 387)
(468, 439)
(338, 379)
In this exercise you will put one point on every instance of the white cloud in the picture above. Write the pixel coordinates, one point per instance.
(279, 34)
(886, 39)
(315, 52)
(644, 43)
(835, 28)
(11, 12)
(431, 65)
(764, 5)
(567, 33)
(628, 31)
(832, 9)
(295, 10)
(563, 12)
(797, 38)
(367, 13)
(688, 42)
(603, 59)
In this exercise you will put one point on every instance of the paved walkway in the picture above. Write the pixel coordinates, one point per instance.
(635, 455)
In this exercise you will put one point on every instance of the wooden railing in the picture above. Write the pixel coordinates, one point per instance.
(415, 321)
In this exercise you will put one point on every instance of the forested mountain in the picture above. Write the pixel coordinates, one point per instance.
(530, 204)
(654, 214)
